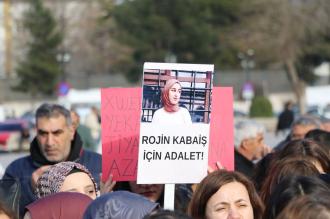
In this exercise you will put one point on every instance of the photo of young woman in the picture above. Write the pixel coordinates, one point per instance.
(171, 112)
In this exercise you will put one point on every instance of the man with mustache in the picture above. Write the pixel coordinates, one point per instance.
(56, 141)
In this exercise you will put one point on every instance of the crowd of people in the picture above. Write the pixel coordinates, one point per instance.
(60, 178)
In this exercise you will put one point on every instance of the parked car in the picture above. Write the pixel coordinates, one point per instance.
(14, 134)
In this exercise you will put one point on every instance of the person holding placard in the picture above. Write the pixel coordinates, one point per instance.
(155, 193)
(171, 112)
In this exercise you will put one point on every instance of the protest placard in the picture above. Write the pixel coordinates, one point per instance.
(221, 147)
(120, 148)
(120, 110)
(175, 123)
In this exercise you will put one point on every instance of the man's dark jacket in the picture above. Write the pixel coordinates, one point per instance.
(23, 168)
(244, 165)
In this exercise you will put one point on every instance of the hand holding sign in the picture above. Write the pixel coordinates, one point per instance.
(108, 185)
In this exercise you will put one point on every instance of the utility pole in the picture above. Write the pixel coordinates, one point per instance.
(8, 37)
(63, 57)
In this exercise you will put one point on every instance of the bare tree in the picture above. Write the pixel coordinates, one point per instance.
(281, 30)
(85, 40)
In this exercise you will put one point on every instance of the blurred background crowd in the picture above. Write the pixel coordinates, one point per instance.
(274, 53)
(271, 52)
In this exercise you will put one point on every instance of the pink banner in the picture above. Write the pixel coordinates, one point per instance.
(221, 147)
(121, 110)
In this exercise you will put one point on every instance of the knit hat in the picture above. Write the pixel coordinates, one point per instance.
(53, 178)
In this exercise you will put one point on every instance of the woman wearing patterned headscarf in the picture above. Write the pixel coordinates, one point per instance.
(171, 112)
(66, 177)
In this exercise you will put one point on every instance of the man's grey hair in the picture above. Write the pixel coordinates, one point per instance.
(307, 120)
(48, 110)
(246, 129)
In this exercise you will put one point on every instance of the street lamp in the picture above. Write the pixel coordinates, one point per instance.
(170, 57)
(63, 58)
(247, 63)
